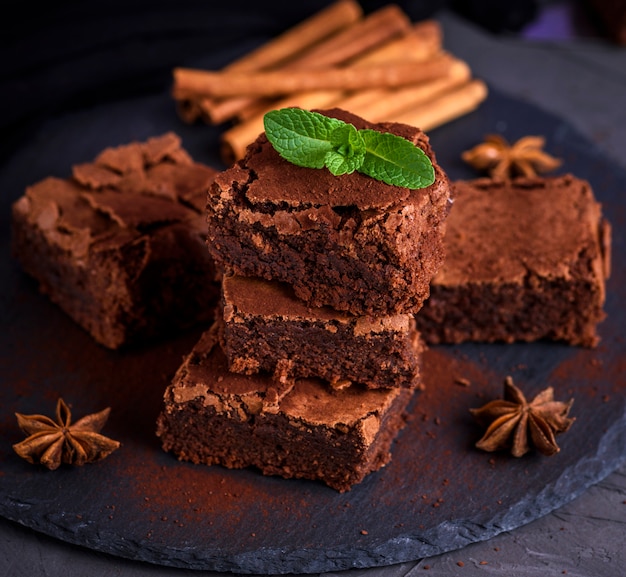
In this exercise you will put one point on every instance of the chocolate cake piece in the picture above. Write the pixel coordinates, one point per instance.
(267, 329)
(305, 430)
(120, 246)
(526, 260)
(350, 242)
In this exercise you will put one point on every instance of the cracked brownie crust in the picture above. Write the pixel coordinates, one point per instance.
(121, 245)
(526, 260)
(350, 242)
(305, 430)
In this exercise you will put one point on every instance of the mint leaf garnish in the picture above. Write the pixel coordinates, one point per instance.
(391, 158)
(312, 140)
(301, 137)
(348, 150)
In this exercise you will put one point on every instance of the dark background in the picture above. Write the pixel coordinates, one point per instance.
(68, 54)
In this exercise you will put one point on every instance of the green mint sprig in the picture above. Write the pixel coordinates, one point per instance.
(313, 140)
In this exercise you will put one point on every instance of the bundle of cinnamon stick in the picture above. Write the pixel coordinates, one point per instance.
(380, 66)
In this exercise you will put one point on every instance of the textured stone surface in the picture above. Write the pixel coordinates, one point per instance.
(142, 504)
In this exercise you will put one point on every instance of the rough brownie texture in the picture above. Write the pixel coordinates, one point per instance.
(267, 329)
(526, 260)
(120, 246)
(350, 242)
(306, 430)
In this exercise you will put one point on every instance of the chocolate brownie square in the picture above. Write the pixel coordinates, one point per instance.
(526, 259)
(267, 329)
(120, 246)
(305, 430)
(350, 242)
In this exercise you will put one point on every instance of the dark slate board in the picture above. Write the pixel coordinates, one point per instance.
(437, 494)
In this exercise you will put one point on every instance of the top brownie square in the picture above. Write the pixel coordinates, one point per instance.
(350, 242)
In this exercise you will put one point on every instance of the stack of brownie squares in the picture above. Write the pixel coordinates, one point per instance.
(314, 356)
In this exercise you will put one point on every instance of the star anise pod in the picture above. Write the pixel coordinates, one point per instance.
(52, 442)
(499, 159)
(515, 424)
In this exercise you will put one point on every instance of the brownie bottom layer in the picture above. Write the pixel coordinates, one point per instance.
(277, 445)
(305, 350)
(561, 310)
(123, 295)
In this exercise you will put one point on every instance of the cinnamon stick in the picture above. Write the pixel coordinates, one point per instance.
(306, 100)
(284, 47)
(219, 111)
(446, 107)
(374, 29)
(433, 104)
(300, 37)
(430, 34)
(190, 82)
(351, 41)
(189, 110)
(235, 140)
(378, 105)
(412, 46)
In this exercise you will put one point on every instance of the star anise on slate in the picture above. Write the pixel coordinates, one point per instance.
(515, 424)
(52, 442)
(498, 158)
